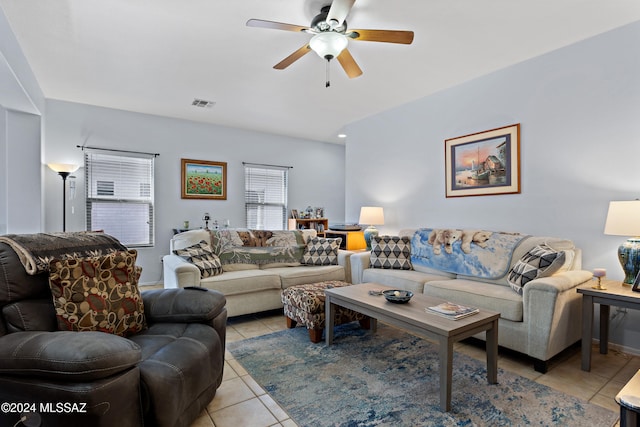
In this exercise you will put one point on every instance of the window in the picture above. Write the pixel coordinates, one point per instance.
(265, 196)
(120, 195)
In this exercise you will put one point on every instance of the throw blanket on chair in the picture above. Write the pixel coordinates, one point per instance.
(36, 250)
(477, 253)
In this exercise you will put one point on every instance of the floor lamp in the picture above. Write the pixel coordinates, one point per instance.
(64, 170)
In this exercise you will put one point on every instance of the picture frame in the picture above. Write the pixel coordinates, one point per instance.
(203, 179)
(294, 214)
(484, 163)
(636, 284)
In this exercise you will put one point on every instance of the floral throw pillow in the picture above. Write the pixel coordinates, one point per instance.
(321, 251)
(98, 293)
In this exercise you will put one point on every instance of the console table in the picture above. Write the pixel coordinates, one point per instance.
(351, 240)
(617, 295)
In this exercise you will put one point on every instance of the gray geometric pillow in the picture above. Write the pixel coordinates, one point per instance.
(391, 252)
(541, 261)
(321, 251)
(201, 255)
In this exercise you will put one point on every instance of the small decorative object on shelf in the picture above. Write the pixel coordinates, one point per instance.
(599, 274)
(206, 218)
(185, 224)
(636, 284)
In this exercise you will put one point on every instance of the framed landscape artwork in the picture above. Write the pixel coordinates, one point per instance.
(484, 163)
(202, 179)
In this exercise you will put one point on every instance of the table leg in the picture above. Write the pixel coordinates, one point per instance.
(604, 328)
(492, 353)
(446, 371)
(587, 331)
(329, 319)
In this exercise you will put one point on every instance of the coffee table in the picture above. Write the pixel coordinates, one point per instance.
(413, 318)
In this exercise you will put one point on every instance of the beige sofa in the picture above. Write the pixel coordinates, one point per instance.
(249, 288)
(541, 322)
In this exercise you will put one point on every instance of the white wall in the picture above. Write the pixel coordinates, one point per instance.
(317, 177)
(20, 205)
(580, 143)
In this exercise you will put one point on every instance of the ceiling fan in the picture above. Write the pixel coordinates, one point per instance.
(331, 37)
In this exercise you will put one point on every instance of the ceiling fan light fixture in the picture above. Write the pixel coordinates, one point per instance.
(328, 45)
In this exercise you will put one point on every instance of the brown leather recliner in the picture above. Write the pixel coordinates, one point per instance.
(163, 376)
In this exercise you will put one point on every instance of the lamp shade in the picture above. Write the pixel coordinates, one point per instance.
(371, 215)
(623, 218)
(328, 45)
(63, 167)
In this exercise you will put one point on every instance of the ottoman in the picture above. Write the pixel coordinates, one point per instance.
(304, 304)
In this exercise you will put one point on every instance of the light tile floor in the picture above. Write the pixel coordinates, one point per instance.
(240, 401)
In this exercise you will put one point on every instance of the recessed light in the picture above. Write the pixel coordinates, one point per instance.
(202, 103)
(342, 135)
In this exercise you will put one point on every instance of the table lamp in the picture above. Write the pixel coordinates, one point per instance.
(623, 219)
(372, 216)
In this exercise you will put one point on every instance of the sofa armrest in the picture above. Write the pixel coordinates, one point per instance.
(179, 273)
(188, 305)
(561, 282)
(344, 259)
(68, 355)
(359, 263)
(553, 312)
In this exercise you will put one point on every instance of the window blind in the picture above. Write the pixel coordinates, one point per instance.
(266, 190)
(120, 195)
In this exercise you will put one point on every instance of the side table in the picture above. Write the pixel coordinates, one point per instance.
(615, 294)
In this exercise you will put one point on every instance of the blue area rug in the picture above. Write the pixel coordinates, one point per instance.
(391, 379)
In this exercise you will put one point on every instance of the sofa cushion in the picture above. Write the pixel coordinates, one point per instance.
(408, 280)
(201, 255)
(321, 251)
(540, 261)
(243, 281)
(500, 299)
(392, 252)
(98, 293)
(67, 356)
(305, 274)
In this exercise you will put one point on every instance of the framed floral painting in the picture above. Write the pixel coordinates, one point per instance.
(203, 179)
(483, 163)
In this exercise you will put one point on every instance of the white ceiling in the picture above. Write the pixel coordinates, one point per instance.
(156, 56)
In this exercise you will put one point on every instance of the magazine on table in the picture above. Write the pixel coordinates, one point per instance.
(452, 311)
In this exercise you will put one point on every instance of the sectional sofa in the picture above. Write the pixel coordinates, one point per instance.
(256, 265)
(530, 280)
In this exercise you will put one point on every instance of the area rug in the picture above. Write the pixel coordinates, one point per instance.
(391, 378)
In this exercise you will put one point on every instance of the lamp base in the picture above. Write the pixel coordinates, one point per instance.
(629, 257)
(369, 232)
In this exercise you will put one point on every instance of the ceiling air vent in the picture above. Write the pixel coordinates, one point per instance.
(202, 103)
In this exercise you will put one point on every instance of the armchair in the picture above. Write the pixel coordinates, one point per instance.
(164, 375)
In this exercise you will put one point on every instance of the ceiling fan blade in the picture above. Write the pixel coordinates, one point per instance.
(386, 36)
(349, 64)
(260, 23)
(339, 11)
(293, 57)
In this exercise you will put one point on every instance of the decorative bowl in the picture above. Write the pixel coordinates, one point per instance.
(397, 296)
